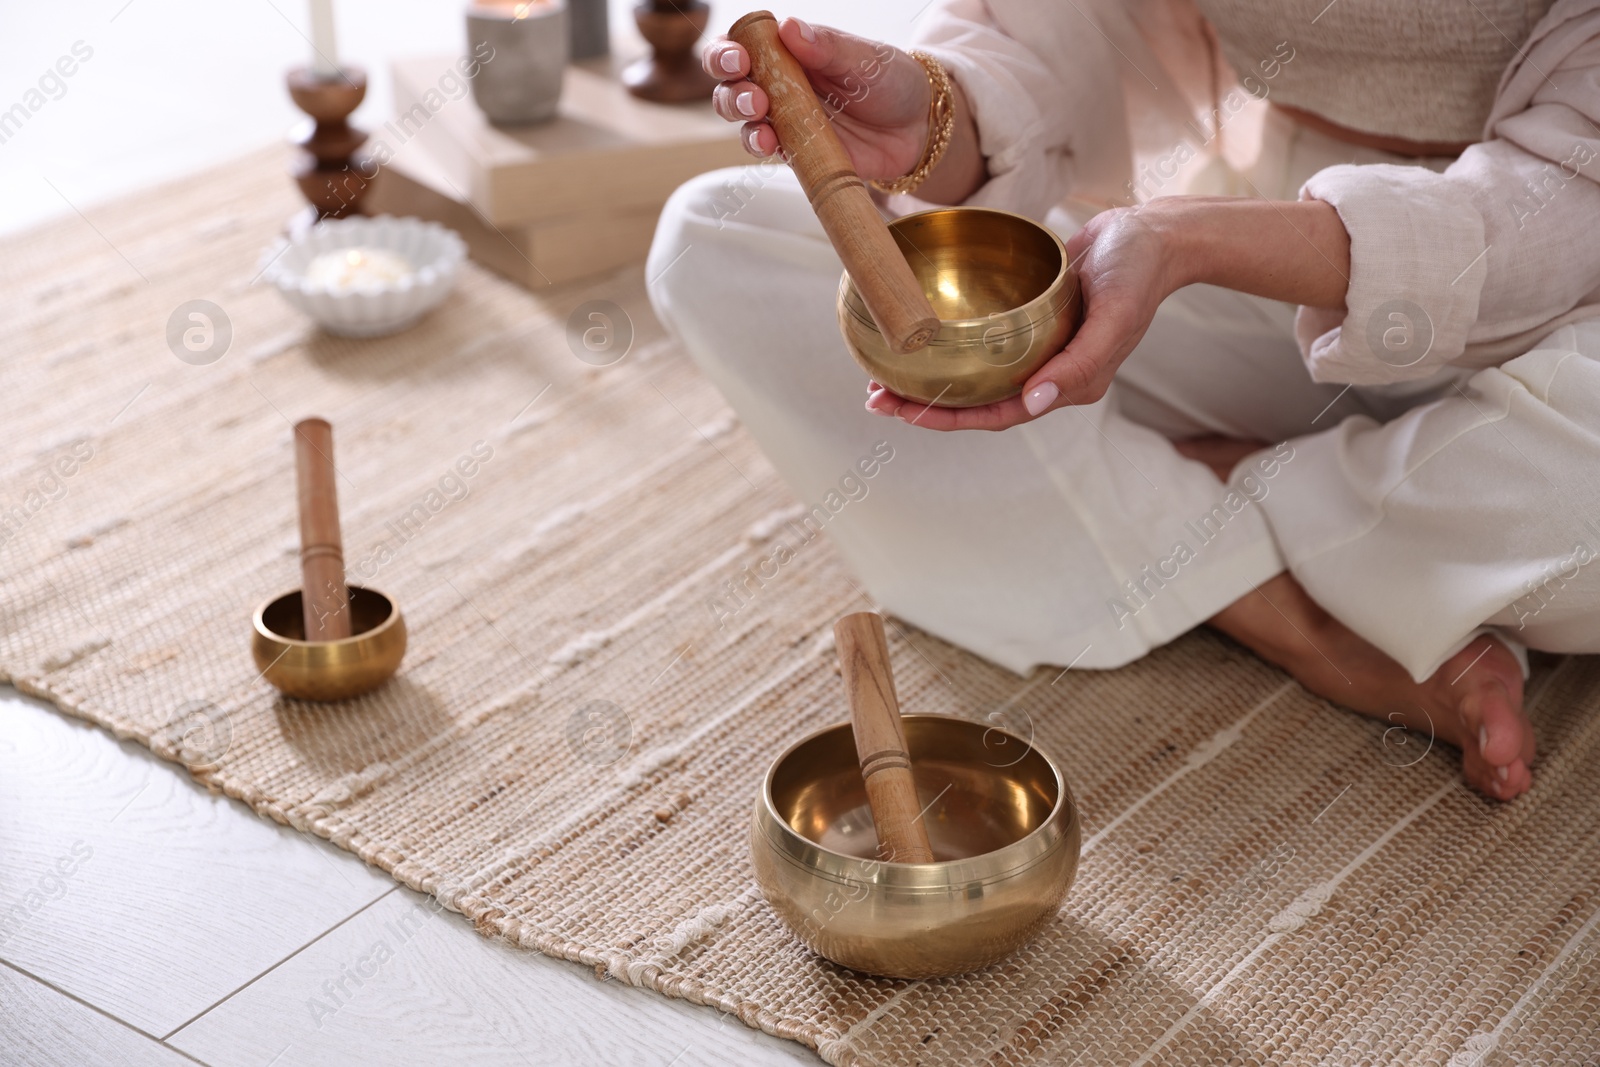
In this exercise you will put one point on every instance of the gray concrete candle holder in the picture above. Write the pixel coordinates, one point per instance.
(520, 83)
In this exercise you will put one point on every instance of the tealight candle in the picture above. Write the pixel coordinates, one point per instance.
(350, 268)
(511, 9)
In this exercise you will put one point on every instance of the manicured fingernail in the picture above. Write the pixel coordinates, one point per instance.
(750, 143)
(746, 103)
(1039, 399)
(805, 30)
(729, 61)
(1502, 773)
(1483, 739)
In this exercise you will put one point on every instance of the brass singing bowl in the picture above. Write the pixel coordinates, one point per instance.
(329, 670)
(1005, 837)
(1006, 297)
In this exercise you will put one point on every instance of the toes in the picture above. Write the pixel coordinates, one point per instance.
(1517, 781)
(1484, 683)
(1501, 729)
(1480, 775)
(1512, 781)
(1497, 783)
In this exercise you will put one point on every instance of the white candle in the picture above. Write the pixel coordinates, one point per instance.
(324, 48)
(511, 9)
(352, 268)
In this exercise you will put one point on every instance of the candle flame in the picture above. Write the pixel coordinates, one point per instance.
(349, 268)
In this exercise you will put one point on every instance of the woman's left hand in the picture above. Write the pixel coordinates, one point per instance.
(1131, 259)
(1125, 272)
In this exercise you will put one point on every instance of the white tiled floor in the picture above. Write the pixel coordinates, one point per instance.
(142, 917)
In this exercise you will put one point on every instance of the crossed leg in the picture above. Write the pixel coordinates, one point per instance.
(1017, 545)
(1473, 701)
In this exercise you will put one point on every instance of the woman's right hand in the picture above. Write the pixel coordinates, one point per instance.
(879, 96)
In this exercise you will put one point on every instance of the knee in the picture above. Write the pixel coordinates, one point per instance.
(713, 195)
(714, 213)
(719, 199)
(697, 202)
(692, 202)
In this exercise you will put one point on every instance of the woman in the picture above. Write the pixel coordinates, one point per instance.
(1368, 234)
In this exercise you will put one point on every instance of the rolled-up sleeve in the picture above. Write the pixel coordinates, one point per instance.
(1473, 265)
(1044, 87)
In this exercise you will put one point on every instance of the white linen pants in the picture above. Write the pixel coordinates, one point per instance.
(1415, 514)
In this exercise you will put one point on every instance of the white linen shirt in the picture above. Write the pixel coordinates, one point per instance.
(1469, 266)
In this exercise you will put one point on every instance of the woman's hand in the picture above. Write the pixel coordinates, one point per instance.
(879, 96)
(1131, 259)
(1125, 270)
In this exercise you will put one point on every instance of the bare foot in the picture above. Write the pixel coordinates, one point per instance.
(1221, 454)
(1474, 701)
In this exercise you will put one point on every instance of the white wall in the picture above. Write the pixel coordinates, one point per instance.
(177, 85)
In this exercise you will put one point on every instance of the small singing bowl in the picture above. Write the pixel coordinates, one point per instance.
(329, 670)
(1005, 837)
(1006, 297)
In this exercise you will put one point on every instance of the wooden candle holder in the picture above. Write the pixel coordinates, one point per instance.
(330, 167)
(671, 73)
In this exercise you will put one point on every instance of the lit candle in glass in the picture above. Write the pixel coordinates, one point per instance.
(324, 47)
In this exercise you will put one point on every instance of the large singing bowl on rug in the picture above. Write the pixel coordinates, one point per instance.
(1005, 836)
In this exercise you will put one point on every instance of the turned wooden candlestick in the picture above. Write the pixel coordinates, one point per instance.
(880, 740)
(671, 73)
(330, 167)
(860, 236)
(324, 600)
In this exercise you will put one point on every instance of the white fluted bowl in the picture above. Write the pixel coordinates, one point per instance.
(378, 308)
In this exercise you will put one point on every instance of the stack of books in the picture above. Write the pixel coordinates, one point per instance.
(544, 204)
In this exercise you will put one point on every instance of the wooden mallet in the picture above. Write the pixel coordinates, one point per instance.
(880, 740)
(858, 233)
(323, 597)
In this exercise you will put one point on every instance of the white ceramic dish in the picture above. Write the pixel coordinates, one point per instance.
(372, 309)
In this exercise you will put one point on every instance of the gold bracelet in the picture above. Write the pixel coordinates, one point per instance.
(941, 124)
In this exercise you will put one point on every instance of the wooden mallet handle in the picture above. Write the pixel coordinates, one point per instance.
(860, 236)
(323, 597)
(880, 741)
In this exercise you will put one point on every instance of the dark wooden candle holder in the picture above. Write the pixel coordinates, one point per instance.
(671, 73)
(330, 167)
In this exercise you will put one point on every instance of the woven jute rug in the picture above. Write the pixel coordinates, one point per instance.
(571, 751)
